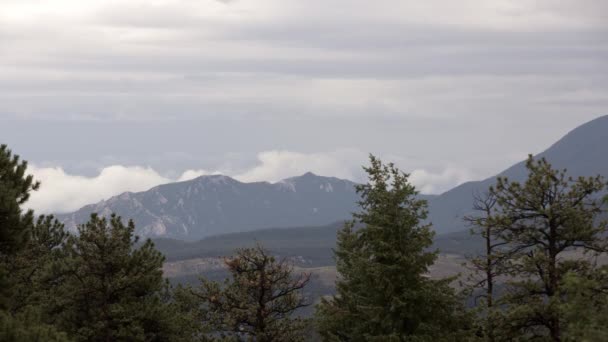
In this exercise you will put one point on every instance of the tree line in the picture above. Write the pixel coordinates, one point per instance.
(539, 275)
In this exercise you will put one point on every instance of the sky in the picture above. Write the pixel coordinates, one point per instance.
(108, 96)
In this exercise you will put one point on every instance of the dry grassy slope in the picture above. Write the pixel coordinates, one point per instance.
(446, 265)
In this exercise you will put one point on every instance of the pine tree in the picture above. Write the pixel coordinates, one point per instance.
(111, 288)
(541, 221)
(257, 303)
(383, 258)
(15, 224)
(16, 230)
(15, 188)
(30, 268)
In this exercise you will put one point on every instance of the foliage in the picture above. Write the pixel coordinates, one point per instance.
(383, 292)
(109, 289)
(257, 303)
(586, 310)
(27, 327)
(17, 235)
(94, 286)
(15, 188)
(540, 221)
(30, 268)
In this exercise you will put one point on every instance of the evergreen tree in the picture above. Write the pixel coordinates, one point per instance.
(16, 229)
(257, 303)
(541, 221)
(31, 267)
(15, 188)
(383, 289)
(111, 289)
(15, 224)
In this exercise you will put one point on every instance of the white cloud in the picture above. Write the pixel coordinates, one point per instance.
(347, 163)
(191, 174)
(64, 192)
(438, 182)
(276, 165)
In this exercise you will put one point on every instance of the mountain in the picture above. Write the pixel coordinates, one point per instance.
(212, 205)
(583, 152)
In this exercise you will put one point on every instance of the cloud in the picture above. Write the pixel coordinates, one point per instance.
(191, 174)
(64, 192)
(276, 165)
(180, 59)
(347, 164)
(439, 182)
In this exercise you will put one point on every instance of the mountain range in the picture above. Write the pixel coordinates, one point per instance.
(214, 205)
(217, 204)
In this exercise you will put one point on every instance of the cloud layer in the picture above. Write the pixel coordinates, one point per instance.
(193, 59)
(64, 192)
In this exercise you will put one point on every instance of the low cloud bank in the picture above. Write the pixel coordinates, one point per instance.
(63, 192)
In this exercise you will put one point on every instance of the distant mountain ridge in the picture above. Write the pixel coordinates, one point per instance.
(217, 204)
(214, 205)
(583, 152)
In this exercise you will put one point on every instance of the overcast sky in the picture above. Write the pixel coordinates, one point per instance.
(107, 96)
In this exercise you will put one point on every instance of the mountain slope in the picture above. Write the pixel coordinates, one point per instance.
(211, 205)
(583, 151)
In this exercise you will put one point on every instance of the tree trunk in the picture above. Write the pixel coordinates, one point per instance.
(490, 284)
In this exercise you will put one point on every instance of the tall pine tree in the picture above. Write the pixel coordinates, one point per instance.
(543, 221)
(15, 189)
(383, 259)
(16, 230)
(15, 224)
